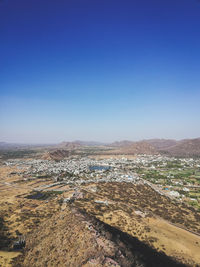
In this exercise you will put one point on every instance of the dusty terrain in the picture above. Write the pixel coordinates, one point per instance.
(74, 238)
(18, 214)
(111, 224)
(167, 226)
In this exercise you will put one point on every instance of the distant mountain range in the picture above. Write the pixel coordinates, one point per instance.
(161, 143)
(7, 145)
(123, 143)
(182, 148)
(128, 147)
(79, 143)
(89, 143)
(70, 145)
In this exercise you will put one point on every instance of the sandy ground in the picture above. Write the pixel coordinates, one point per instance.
(7, 257)
(178, 242)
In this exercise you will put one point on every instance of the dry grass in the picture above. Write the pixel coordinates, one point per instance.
(156, 228)
(32, 217)
(20, 215)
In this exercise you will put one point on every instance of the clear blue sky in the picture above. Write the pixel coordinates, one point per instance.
(99, 70)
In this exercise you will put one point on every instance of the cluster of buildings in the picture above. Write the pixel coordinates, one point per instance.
(76, 170)
(80, 170)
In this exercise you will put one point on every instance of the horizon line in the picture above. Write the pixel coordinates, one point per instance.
(92, 141)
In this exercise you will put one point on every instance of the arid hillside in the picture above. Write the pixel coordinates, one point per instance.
(182, 148)
(185, 148)
(74, 238)
(57, 154)
(121, 143)
(163, 224)
(133, 148)
(161, 143)
(70, 145)
(92, 224)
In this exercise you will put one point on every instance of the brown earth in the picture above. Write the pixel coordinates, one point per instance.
(162, 143)
(73, 238)
(132, 148)
(163, 224)
(57, 154)
(139, 226)
(185, 148)
(19, 215)
(70, 145)
(182, 148)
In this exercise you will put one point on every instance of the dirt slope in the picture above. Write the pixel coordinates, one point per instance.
(58, 154)
(185, 148)
(72, 239)
(132, 148)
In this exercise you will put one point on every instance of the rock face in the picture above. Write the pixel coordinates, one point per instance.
(63, 150)
(58, 154)
(72, 239)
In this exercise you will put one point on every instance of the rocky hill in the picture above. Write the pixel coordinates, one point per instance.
(139, 148)
(132, 148)
(61, 151)
(57, 154)
(89, 143)
(123, 143)
(184, 148)
(73, 238)
(161, 143)
(170, 147)
(70, 145)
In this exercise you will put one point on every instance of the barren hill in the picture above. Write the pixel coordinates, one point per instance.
(140, 148)
(74, 238)
(182, 148)
(128, 147)
(70, 145)
(185, 148)
(121, 143)
(89, 143)
(162, 143)
(63, 150)
(58, 154)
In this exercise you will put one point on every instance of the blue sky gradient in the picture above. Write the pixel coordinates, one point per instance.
(99, 70)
